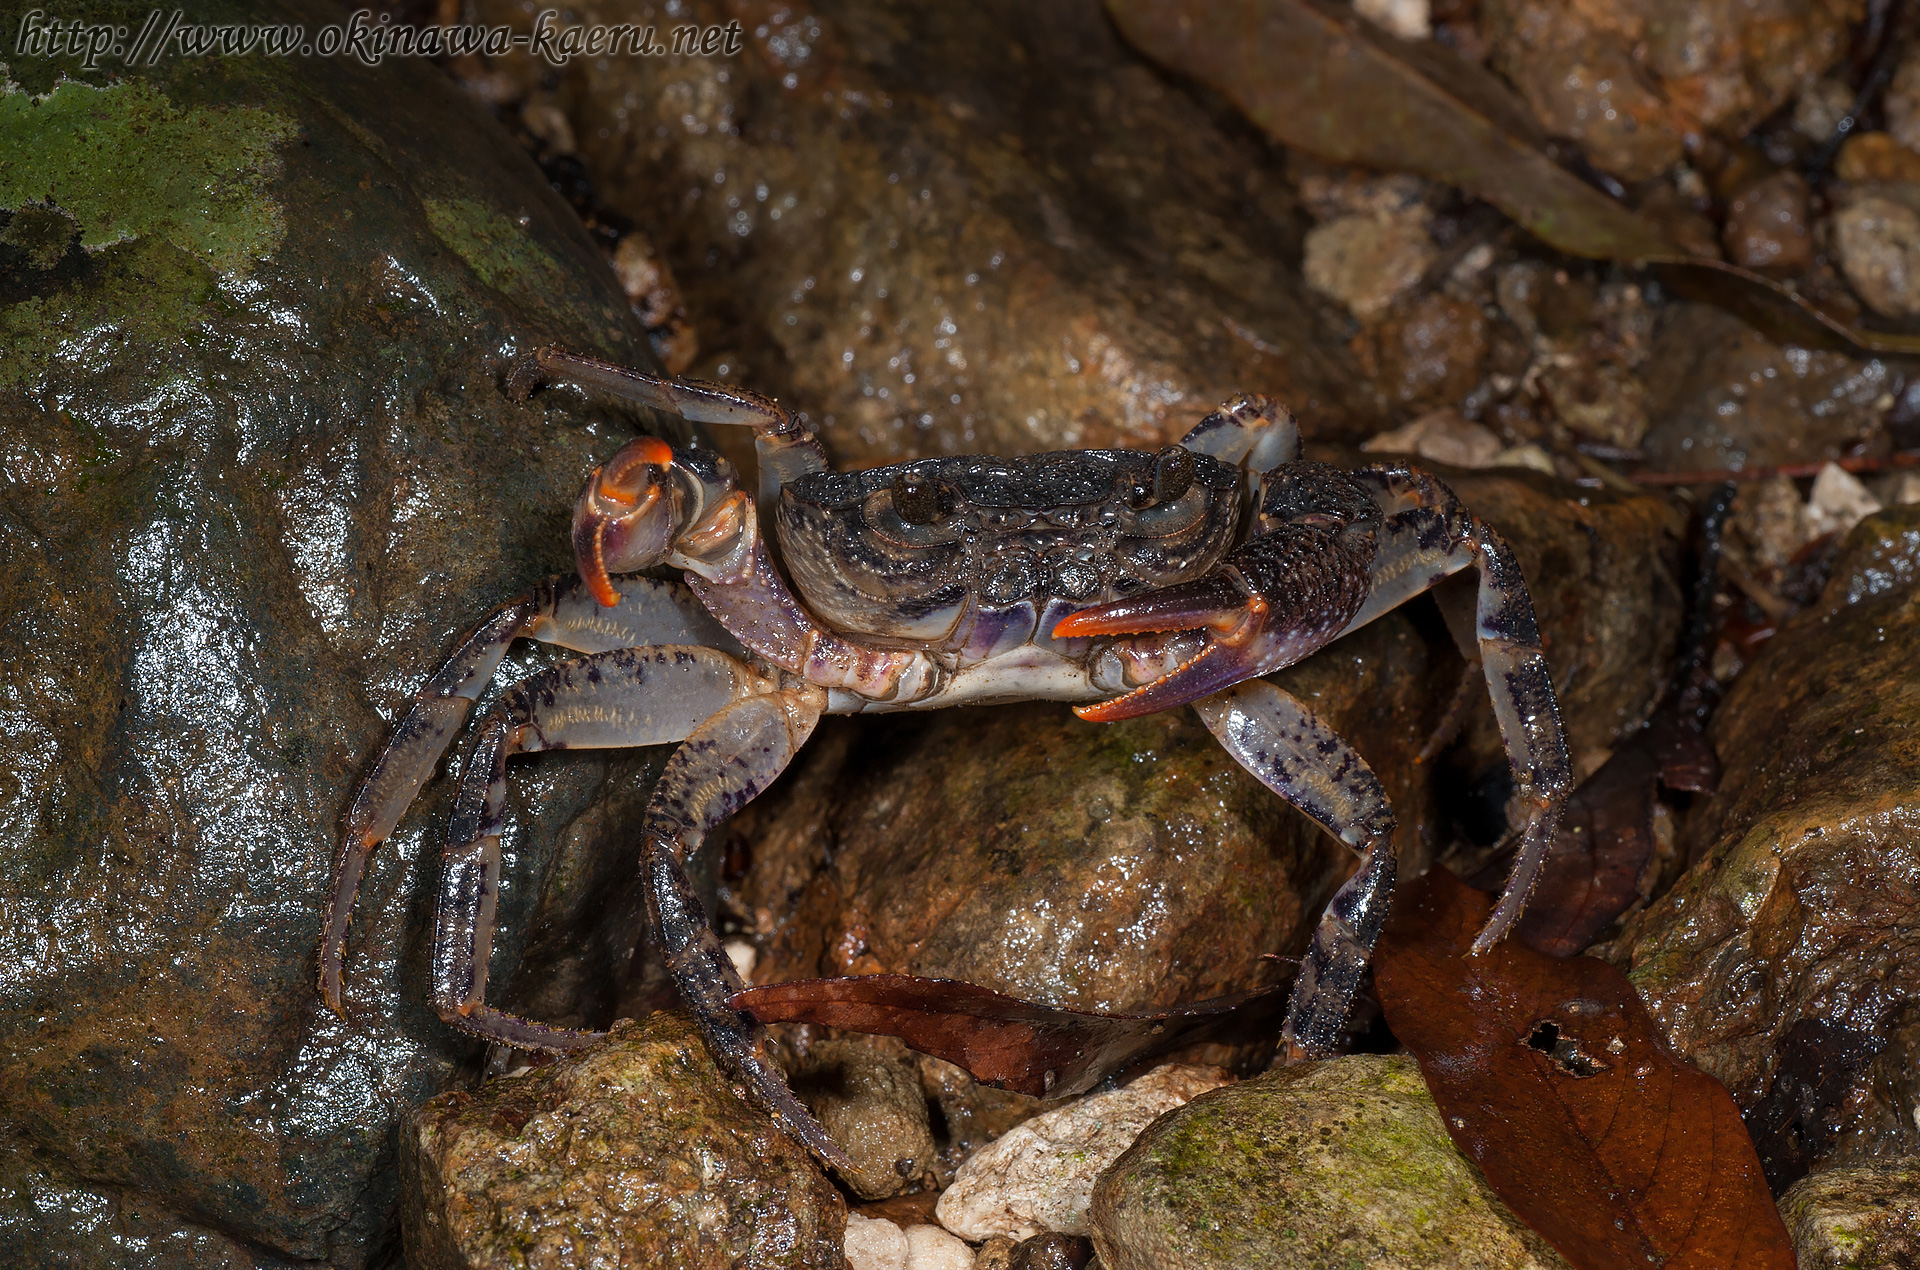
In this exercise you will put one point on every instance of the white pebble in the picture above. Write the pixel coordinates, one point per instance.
(742, 955)
(1040, 1176)
(1838, 501)
(1408, 19)
(874, 1243)
(931, 1248)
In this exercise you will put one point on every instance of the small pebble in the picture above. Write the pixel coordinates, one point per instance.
(1822, 105)
(874, 1243)
(1408, 19)
(1767, 225)
(931, 1248)
(1876, 156)
(1444, 436)
(1039, 1177)
(1879, 245)
(1901, 104)
(1838, 501)
(1367, 262)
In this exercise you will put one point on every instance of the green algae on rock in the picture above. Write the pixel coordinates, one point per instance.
(1319, 1166)
(634, 1153)
(1861, 1218)
(258, 468)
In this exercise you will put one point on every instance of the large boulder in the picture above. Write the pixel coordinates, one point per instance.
(259, 469)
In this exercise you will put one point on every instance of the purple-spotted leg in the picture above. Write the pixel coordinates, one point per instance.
(1298, 757)
(740, 729)
(1429, 534)
(560, 611)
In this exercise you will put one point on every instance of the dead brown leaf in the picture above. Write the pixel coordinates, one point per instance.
(1553, 1078)
(1020, 1045)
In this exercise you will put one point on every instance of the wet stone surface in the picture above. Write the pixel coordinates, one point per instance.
(1865, 1218)
(936, 229)
(258, 471)
(871, 1102)
(634, 1153)
(1724, 396)
(1777, 962)
(1330, 1164)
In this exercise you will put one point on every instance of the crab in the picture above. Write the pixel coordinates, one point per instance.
(1124, 581)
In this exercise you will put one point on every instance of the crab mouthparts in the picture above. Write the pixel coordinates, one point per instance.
(617, 496)
(1231, 617)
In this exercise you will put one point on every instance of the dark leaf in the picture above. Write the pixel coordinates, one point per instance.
(1605, 838)
(1033, 1049)
(1553, 1078)
(1323, 80)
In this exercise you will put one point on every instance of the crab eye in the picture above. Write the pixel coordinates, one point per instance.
(921, 500)
(1171, 476)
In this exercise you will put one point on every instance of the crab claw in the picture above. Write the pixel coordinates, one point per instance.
(1275, 600)
(624, 519)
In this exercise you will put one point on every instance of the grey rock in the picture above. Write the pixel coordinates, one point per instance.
(872, 1104)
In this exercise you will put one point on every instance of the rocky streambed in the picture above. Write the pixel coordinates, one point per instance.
(262, 459)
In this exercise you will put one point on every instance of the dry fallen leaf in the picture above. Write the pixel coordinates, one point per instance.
(1553, 1078)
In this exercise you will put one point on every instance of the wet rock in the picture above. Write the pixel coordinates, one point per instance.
(1767, 225)
(1051, 1252)
(1367, 261)
(1801, 905)
(1432, 352)
(1575, 67)
(259, 468)
(1724, 396)
(1039, 1177)
(1769, 523)
(1104, 867)
(1870, 157)
(1603, 568)
(1322, 1164)
(871, 1103)
(1599, 399)
(1878, 240)
(1822, 104)
(1865, 1218)
(1630, 81)
(956, 228)
(636, 1152)
(996, 1253)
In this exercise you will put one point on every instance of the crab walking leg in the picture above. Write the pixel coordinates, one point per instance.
(1428, 535)
(719, 769)
(625, 697)
(1300, 758)
(617, 698)
(559, 611)
(786, 450)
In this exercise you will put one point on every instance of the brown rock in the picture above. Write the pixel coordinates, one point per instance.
(1869, 157)
(1878, 241)
(1767, 225)
(1630, 80)
(871, 1102)
(972, 228)
(1432, 352)
(634, 1153)
(1721, 395)
(1802, 905)
(1107, 867)
(1575, 66)
(1901, 104)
